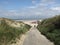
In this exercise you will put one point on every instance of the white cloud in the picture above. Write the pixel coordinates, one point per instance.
(33, 2)
(32, 7)
(40, 9)
(56, 8)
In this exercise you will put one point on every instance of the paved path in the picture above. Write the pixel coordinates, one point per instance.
(34, 37)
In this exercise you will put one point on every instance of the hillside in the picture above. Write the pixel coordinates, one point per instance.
(12, 22)
(10, 30)
(51, 29)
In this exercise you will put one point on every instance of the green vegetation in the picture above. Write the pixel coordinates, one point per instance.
(9, 34)
(51, 29)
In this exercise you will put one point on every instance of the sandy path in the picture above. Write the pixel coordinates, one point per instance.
(34, 37)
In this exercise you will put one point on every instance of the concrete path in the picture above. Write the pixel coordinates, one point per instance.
(34, 37)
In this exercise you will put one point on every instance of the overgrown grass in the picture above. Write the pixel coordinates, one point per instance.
(9, 34)
(51, 29)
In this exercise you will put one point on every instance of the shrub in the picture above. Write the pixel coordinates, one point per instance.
(8, 33)
(51, 29)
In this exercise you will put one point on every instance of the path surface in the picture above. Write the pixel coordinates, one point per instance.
(34, 37)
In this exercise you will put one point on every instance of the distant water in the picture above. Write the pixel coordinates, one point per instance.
(25, 20)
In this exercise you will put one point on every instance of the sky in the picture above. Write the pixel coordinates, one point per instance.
(29, 8)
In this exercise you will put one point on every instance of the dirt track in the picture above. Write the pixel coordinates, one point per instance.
(34, 37)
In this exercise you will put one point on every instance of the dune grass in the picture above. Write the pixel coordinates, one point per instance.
(51, 29)
(9, 34)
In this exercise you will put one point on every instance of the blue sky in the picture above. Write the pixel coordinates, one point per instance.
(16, 4)
(29, 8)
